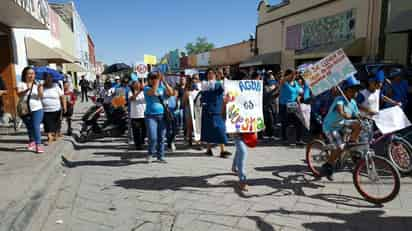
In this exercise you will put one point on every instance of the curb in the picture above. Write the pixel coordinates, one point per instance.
(19, 216)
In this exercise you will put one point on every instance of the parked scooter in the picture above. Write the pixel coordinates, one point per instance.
(92, 129)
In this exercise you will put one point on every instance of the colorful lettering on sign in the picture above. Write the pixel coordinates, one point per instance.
(250, 85)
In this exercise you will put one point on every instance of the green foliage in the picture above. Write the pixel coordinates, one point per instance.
(199, 46)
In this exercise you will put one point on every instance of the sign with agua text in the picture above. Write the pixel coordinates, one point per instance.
(244, 109)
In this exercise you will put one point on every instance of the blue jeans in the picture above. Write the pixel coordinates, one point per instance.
(239, 162)
(156, 132)
(32, 123)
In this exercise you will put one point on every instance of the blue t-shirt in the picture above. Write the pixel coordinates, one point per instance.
(289, 93)
(333, 120)
(153, 104)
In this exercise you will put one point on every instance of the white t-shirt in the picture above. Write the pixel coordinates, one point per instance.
(370, 100)
(138, 106)
(51, 98)
(35, 102)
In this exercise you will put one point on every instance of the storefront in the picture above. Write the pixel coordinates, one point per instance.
(15, 14)
(306, 31)
(231, 56)
(398, 45)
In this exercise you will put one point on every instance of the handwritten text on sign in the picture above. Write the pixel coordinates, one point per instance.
(244, 110)
(328, 72)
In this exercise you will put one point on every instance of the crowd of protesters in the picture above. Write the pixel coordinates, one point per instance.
(159, 110)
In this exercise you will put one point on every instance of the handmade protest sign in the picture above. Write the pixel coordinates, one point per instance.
(391, 120)
(244, 110)
(328, 72)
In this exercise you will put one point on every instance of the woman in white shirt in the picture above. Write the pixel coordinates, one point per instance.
(137, 109)
(32, 92)
(53, 103)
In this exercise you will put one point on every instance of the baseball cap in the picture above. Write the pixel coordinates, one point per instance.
(351, 82)
(379, 77)
(117, 78)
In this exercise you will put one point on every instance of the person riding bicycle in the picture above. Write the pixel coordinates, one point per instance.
(342, 113)
(369, 99)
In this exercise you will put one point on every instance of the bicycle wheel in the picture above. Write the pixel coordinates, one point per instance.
(316, 156)
(379, 186)
(400, 154)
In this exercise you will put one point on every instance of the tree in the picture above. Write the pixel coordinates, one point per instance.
(199, 46)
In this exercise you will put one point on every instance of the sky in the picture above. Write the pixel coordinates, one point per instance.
(125, 30)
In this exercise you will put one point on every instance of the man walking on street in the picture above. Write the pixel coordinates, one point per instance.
(84, 86)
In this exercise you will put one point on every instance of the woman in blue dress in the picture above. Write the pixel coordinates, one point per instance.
(213, 129)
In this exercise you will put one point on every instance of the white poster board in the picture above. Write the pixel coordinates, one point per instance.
(196, 114)
(142, 70)
(244, 110)
(391, 120)
(328, 72)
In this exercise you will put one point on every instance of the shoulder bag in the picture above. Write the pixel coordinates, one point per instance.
(167, 112)
(23, 106)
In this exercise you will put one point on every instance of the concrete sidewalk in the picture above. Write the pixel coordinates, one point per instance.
(25, 176)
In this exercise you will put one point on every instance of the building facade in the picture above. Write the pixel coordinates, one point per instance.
(231, 55)
(92, 55)
(398, 29)
(300, 31)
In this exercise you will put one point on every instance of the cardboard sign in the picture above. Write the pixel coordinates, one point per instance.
(150, 59)
(328, 72)
(244, 110)
(391, 120)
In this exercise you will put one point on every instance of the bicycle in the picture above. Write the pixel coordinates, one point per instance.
(380, 173)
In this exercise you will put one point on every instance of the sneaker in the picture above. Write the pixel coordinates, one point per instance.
(300, 143)
(327, 171)
(173, 147)
(243, 187)
(39, 149)
(209, 152)
(149, 159)
(31, 146)
(225, 154)
(234, 170)
(162, 161)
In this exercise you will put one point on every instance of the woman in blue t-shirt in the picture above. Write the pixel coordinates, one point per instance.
(155, 93)
(290, 95)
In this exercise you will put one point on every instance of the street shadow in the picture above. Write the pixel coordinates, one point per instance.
(107, 163)
(13, 141)
(95, 146)
(363, 220)
(296, 176)
(143, 153)
(17, 149)
(261, 224)
(179, 183)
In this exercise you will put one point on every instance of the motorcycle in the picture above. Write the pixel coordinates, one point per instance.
(91, 128)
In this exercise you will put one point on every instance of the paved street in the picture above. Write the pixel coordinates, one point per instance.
(107, 187)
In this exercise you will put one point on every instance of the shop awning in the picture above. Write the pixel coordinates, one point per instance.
(37, 51)
(265, 59)
(354, 48)
(74, 67)
(15, 16)
(401, 23)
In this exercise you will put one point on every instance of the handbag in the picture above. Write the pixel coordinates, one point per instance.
(167, 112)
(23, 106)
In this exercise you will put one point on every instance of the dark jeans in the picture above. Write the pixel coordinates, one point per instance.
(289, 119)
(269, 115)
(84, 95)
(172, 130)
(139, 132)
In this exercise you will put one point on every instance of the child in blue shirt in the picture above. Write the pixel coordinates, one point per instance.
(342, 113)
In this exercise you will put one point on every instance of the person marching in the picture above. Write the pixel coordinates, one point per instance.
(137, 109)
(70, 98)
(369, 99)
(155, 93)
(213, 129)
